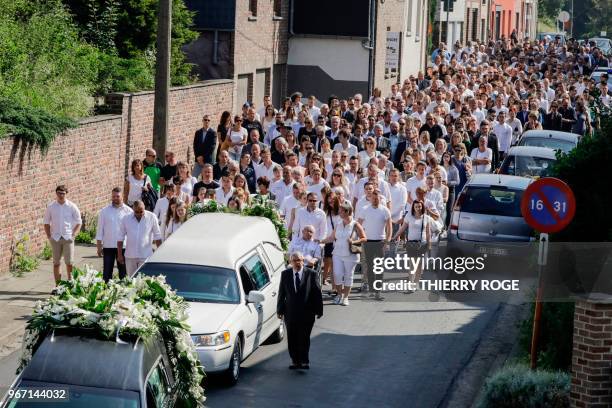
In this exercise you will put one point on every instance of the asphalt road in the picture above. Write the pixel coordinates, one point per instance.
(402, 352)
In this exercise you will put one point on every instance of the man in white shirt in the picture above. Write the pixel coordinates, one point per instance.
(313, 111)
(266, 167)
(399, 198)
(418, 180)
(503, 131)
(62, 224)
(140, 230)
(108, 231)
(306, 245)
(283, 187)
(226, 190)
(291, 202)
(267, 101)
(311, 215)
(376, 222)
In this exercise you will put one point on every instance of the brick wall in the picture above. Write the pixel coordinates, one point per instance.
(260, 41)
(93, 158)
(592, 355)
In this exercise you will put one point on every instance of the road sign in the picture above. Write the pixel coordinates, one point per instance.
(563, 16)
(548, 205)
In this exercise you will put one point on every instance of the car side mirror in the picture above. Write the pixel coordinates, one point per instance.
(255, 296)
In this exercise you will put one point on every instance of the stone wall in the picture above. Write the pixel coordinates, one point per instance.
(94, 157)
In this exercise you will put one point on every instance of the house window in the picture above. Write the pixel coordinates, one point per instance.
(253, 8)
(277, 8)
(448, 5)
(474, 24)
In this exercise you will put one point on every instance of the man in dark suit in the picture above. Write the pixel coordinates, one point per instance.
(299, 301)
(552, 120)
(204, 146)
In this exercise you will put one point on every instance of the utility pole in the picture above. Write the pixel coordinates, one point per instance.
(448, 4)
(572, 27)
(162, 78)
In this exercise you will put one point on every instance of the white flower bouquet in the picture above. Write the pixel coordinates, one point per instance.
(130, 308)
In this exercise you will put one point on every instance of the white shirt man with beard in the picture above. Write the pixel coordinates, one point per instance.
(140, 230)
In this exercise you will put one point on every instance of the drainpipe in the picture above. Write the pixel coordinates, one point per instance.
(372, 45)
(216, 47)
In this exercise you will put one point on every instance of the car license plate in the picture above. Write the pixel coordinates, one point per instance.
(493, 251)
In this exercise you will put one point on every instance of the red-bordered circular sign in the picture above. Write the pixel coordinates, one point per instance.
(548, 205)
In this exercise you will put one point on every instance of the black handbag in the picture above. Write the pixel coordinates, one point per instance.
(149, 196)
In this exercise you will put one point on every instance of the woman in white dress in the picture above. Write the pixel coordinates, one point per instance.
(346, 233)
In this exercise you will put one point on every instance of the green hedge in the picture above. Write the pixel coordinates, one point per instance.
(517, 386)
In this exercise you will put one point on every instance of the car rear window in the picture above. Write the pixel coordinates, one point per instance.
(492, 201)
(555, 144)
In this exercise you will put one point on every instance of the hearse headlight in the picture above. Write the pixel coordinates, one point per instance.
(215, 339)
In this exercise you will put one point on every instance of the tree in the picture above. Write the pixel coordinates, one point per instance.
(132, 25)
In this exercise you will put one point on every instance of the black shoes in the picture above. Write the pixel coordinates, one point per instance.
(299, 367)
(305, 366)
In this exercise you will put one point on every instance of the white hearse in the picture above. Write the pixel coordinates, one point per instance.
(228, 268)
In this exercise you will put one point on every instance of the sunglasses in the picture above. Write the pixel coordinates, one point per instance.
(337, 175)
(369, 143)
(312, 201)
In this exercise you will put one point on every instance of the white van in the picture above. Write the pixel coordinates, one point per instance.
(228, 268)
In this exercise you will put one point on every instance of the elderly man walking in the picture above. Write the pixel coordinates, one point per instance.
(299, 301)
(140, 230)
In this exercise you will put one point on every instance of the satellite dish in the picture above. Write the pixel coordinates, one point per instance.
(563, 16)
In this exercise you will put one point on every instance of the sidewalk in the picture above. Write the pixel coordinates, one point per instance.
(19, 295)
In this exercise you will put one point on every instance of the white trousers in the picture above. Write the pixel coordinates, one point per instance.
(344, 270)
(131, 264)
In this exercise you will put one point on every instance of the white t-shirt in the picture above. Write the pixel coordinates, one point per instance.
(503, 131)
(477, 154)
(363, 203)
(399, 196)
(316, 188)
(374, 221)
(416, 229)
(412, 184)
(136, 186)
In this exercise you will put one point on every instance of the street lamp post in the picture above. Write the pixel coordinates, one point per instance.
(162, 78)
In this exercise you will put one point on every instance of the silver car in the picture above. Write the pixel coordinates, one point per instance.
(528, 161)
(553, 139)
(487, 217)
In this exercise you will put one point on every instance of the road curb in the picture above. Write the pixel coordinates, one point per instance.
(496, 344)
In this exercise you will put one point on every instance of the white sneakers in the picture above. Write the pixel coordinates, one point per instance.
(341, 300)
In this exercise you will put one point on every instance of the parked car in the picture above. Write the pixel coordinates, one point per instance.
(604, 44)
(528, 161)
(551, 139)
(486, 218)
(230, 279)
(82, 371)
(596, 75)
